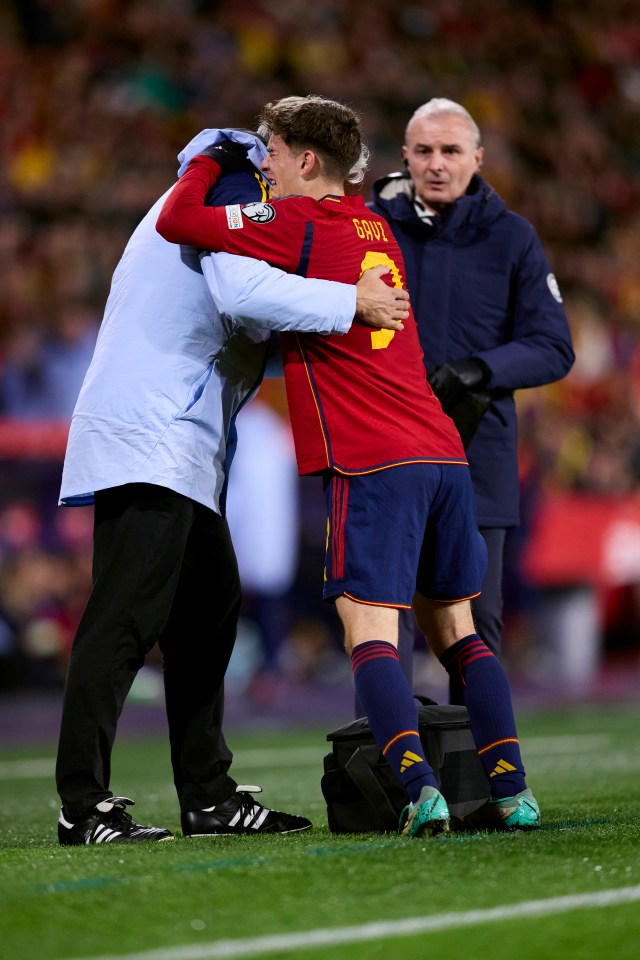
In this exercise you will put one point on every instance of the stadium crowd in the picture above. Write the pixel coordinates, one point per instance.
(98, 96)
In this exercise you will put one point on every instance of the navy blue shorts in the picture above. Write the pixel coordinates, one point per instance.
(408, 528)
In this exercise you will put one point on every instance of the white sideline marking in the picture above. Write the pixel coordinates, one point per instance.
(565, 744)
(27, 769)
(280, 758)
(327, 937)
(44, 766)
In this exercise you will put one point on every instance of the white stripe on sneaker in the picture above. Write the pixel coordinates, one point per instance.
(250, 816)
(103, 834)
(263, 816)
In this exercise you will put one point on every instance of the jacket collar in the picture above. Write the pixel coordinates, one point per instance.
(394, 195)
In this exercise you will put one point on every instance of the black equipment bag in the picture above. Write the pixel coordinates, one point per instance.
(363, 795)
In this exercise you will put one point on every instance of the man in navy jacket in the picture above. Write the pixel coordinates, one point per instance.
(489, 313)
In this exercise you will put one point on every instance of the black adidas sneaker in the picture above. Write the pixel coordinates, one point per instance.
(240, 814)
(108, 823)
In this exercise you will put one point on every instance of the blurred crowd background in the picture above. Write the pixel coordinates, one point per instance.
(96, 99)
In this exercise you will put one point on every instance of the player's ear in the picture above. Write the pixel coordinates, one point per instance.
(308, 162)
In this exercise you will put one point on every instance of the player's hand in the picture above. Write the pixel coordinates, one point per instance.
(451, 381)
(379, 305)
(230, 156)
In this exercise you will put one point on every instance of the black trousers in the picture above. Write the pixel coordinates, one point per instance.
(164, 571)
(487, 611)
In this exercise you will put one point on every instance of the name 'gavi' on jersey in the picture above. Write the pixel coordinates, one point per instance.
(360, 401)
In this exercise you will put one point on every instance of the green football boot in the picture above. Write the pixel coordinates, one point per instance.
(427, 817)
(510, 813)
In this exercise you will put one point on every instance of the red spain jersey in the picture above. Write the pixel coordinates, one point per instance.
(359, 401)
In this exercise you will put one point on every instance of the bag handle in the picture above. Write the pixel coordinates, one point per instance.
(359, 769)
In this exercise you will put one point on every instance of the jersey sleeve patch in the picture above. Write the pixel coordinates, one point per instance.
(234, 219)
(259, 212)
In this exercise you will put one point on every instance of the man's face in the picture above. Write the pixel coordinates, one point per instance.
(441, 158)
(282, 167)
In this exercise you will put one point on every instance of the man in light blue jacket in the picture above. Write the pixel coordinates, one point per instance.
(176, 358)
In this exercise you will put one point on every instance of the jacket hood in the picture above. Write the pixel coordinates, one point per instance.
(393, 196)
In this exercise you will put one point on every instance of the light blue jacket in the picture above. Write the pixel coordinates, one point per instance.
(170, 371)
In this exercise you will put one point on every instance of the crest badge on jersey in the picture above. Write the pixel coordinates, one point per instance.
(259, 212)
(552, 283)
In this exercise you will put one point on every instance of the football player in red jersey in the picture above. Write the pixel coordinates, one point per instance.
(402, 526)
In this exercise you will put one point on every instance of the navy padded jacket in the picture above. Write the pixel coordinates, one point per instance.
(481, 286)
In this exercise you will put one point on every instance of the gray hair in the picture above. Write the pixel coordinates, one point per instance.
(358, 170)
(440, 105)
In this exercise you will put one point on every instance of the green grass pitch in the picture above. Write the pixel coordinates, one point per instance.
(317, 895)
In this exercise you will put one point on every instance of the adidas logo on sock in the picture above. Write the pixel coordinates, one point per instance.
(502, 767)
(408, 760)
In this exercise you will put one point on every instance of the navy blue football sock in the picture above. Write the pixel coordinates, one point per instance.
(386, 698)
(488, 699)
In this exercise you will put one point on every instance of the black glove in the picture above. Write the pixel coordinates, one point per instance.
(230, 156)
(452, 381)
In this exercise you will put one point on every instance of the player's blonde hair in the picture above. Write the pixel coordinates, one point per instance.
(329, 128)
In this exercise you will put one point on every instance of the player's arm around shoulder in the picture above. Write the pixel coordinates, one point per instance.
(184, 218)
(256, 229)
(253, 294)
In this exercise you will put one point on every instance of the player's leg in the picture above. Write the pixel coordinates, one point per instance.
(406, 643)
(452, 566)
(370, 577)
(488, 699)
(386, 697)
